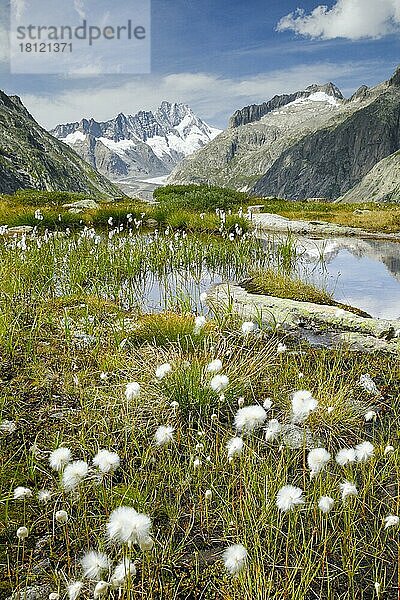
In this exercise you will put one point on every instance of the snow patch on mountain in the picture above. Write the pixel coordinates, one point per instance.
(74, 138)
(145, 144)
(318, 97)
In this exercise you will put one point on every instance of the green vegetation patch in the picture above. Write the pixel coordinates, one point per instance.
(200, 198)
(282, 285)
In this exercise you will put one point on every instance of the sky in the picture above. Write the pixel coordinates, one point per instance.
(220, 55)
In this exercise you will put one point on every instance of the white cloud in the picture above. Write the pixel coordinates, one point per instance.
(351, 19)
(80, 8)
(213, 98)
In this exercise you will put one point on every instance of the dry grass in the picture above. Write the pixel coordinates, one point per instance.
(376, 218)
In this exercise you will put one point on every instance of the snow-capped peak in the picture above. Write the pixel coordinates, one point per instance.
(151, 142)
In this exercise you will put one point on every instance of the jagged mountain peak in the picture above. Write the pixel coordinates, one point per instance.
(145, 143)
(311, 143)
(255, 112)
(330, 89)
(395, 79)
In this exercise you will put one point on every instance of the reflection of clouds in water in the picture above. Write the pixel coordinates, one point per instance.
(364, 273)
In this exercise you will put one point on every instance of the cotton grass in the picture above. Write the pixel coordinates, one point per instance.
(73, 475)
(250, 418)
(288, 497)
(126, 526)
(235, 558)
(94, 564)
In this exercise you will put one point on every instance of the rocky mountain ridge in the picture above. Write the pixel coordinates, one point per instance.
(313, 143)
(31, 158)
(147, 144)
(255, 112)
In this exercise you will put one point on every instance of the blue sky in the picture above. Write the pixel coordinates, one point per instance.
(219, 55)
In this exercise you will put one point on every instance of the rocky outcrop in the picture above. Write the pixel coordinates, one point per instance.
(325, 326)
(240, 156)
(334, 159)
(31, 158)
(278, 224)
(381, 184)
(255, 112)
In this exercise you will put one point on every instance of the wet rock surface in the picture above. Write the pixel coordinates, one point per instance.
(320, 325)
(279, 224)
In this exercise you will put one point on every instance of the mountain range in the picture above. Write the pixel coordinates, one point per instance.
(147, 144)
(313, 143)
(32, 158)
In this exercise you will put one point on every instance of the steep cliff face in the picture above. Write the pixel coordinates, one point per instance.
(312, 143)
(331, 161)
(32, 158)
(240, 156)
(381, 183)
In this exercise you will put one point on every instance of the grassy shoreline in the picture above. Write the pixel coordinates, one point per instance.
(370, 216)
(74, 333)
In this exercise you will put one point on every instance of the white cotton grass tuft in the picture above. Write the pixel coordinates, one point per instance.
(250, 418)
(20, 493)
(163, 370)
(288, 497)
(106, 461)
(95, 564)
(281, 348)
(272, 430)
(364, 451)
(368, 384)
(126, 526)
(317, 460)
(44, 496)
(74, 589)
(388, 450)
(303, 404)
(199, 324)
(215, 366)
(60, 458)
(122, 572)
(54, 596)
(22, 533)
(267, 404)
(370, 415)
(74, 474)
(234, 447)
(219, 383)
(248, 327)
(100, 589)
(208, 495)
(235, 558)
(346, 456)
(325, 504)
(61, 517)
(132, 390)
(7, 426)
(348, 489)
(164, 435)
(391, 521)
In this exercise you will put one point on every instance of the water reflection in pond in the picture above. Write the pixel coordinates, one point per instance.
(362, 273)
